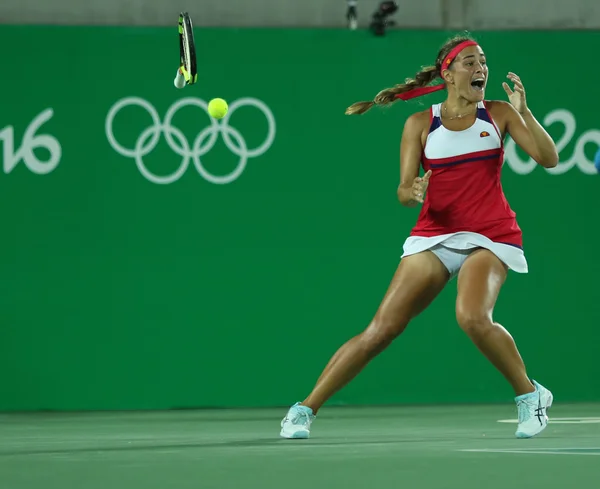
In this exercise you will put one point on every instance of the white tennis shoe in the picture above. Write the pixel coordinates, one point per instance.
(533, 411)
(297, 421)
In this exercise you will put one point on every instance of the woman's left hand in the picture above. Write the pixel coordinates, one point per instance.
(516, 96)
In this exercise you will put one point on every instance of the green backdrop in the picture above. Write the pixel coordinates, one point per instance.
(120, 293)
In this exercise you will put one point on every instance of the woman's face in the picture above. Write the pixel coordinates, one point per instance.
(469, 73)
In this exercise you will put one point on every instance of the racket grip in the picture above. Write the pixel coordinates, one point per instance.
(179, 80)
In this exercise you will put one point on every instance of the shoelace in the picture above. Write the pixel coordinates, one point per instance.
(300, 416)
(526, 408)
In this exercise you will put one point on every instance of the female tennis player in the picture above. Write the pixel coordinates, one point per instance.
(465, 229)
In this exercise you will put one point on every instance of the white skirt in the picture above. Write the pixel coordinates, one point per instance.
(513, 257)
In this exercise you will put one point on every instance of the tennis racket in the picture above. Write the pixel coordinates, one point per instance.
(187, 49)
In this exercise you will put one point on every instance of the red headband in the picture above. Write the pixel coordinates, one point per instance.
(417, 92)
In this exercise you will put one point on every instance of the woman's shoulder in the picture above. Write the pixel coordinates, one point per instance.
(499, 106)
(500, 111)
(419, 119)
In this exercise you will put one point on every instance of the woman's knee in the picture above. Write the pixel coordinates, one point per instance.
(474, 322)
(381, 333)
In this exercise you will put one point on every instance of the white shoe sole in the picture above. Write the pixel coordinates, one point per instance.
(295, 435)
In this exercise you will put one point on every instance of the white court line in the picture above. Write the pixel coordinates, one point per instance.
(581, 420)
(548, 451)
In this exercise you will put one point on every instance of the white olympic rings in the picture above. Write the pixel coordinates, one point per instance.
(203, 143)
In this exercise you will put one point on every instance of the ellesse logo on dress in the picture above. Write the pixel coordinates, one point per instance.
(484, 134)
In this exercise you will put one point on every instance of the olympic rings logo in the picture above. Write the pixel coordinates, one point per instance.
(203, 143)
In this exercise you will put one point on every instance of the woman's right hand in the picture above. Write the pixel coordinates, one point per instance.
(419, 187)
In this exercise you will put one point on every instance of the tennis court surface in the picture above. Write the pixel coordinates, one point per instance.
(441, 447)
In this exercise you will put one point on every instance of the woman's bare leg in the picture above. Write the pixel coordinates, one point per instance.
(479, 282)
(417, 281)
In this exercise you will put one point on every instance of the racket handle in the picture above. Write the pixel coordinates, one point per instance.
(179, 81)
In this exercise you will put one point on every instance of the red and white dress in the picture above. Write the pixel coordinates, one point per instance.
(465, 206)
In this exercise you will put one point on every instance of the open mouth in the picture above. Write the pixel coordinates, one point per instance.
(478, 84)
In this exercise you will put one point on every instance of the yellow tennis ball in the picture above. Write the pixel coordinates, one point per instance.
(217, 108)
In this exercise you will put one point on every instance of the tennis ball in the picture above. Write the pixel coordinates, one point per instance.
(217, 108)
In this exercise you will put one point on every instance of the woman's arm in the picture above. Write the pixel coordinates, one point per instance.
(523, 127)
(411, 190)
